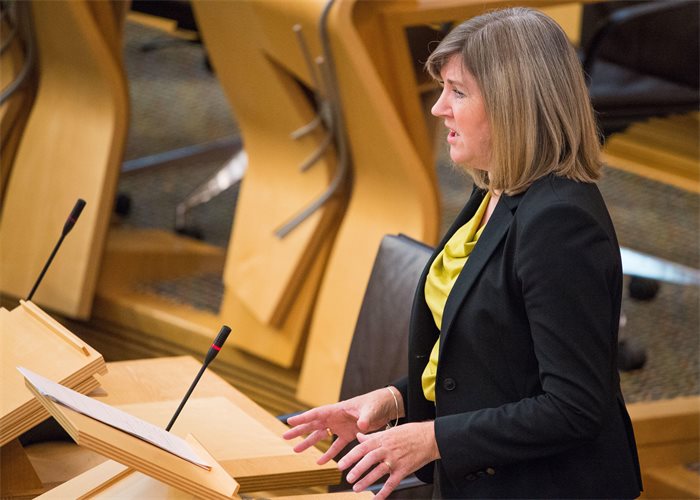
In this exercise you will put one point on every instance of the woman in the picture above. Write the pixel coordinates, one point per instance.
(512, 388)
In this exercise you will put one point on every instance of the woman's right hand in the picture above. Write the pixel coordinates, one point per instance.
(362, 414)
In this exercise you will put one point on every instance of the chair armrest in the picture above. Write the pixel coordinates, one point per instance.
(286, 416)
(406, 483)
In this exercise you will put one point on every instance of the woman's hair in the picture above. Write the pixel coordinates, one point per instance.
(535, 96)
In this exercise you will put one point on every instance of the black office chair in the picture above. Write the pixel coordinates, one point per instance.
(642, 59)
(379, 350)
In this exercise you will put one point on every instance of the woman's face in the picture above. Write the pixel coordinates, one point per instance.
(461, 106)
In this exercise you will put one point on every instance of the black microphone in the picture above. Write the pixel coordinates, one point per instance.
(70, 222)
(73, 217)
(211, 354)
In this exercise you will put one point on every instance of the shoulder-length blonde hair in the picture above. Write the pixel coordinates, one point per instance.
(535, 96)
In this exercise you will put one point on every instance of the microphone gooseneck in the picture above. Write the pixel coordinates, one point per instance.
(70, 222)
(211, 354)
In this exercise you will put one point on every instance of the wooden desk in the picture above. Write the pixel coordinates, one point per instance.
(664, 149)
(162, 382)
(152, 389)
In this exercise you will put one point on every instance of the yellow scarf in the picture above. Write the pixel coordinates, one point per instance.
(443, 273)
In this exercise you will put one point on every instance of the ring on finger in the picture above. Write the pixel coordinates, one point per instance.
(329, 432)
(388, 464)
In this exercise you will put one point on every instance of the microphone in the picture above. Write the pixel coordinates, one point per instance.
(70, 222)
(211, 354)
(73, 217)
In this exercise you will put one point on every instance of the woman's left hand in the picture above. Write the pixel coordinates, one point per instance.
(398, 451)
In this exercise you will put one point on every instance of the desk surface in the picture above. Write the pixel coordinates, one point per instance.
(152, 389)
(261, 462)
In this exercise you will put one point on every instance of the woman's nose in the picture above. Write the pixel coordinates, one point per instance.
(439, 108)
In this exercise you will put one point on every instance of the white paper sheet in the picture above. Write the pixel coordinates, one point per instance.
(113, 417)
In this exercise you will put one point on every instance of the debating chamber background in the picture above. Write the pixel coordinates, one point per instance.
(243, 163)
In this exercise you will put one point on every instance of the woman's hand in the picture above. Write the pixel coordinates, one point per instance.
(398, 451)
(361, 414)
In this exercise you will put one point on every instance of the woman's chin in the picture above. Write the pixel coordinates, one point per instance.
(457, 158)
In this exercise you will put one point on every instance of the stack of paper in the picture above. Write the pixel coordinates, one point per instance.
(29, 337)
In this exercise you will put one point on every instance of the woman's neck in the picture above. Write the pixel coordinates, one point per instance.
(495, 196)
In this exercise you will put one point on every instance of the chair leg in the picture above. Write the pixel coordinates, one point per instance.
(229, 175)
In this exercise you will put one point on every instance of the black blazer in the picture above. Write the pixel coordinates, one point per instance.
(528, 393)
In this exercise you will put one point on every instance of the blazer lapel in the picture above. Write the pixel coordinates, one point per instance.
(494, 232)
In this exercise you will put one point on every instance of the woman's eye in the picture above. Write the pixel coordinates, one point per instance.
(458, 93)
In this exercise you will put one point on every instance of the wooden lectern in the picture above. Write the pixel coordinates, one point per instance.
(30, 337)
(142, 456)
(242, 437)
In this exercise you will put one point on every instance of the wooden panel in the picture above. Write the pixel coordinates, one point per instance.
(393, 192)
(138, 385)
(256, 457)
(273, 280)
(17, 476)
(280, 344)
(31, 338)
(668, 435)
(15, 111)
(241, 436)
(143, 456)
(71, 147)
(663, 149)
(666, 420)
(670, 452)
(675, 481)
(113, 480)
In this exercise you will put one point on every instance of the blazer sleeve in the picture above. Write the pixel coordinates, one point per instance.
(402, 386)
(568, 269)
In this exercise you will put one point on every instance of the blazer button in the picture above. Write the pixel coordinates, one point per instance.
(449, 384)
(471, 477)
(490, 471)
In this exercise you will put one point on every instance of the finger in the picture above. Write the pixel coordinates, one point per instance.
(362, 437)
(300, 430)
(389, 486)
(361, 467)
(311, 440)
(382, 469)
(353, 456)
(293, 433)
(333, 450)
(303, 418)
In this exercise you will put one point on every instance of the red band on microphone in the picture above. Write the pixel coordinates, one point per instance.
(214, 346)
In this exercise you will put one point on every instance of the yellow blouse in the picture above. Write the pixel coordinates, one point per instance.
(442, 275)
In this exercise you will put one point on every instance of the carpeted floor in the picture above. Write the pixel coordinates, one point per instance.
(177, 103)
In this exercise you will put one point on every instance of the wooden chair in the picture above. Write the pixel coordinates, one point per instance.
(18, 85)
(71, 147)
